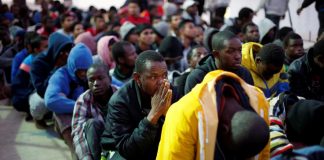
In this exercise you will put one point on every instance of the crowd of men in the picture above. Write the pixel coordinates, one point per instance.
(153, 80)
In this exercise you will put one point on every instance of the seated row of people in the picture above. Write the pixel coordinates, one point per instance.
(128, 130)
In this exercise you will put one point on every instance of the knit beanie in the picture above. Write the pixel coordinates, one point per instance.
(169, 9)
(305, 122)
(126, 29)
(161, 29)
(188, 3)
(140, 28)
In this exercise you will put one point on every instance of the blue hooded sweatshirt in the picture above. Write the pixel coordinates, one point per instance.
(64, 87)
(44, 64)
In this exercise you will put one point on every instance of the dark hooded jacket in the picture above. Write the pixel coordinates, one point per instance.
(21, 85)
(64, 87)
(305, 79)
(127, 127)
(208, 64)
(208, 34)
(43, 65)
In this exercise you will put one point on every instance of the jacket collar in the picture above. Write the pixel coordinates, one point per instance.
(143, 102)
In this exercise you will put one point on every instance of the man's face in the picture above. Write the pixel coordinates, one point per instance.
(319, 61)
(67, 23)
(175, 20)
(252, 34)
(197, 55)
(98, 81)
(133, 38)
(81, 74)
(189, 30)
(267, 70)
(199, 35)
(130, 56)
(78, 29)
(152, 77)
(62, 58)
(192, 10)
(133, 9)
(146, 36)
(100, 24)
(230, 57)
(294, 49)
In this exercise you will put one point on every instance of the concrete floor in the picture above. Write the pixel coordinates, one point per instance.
(21, 140)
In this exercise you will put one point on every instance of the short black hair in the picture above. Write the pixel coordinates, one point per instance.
(184, 22)
(272, 54)
(245, 13)
(100, 65)
(283, 32)
(75, 24)
(33, 40)
(190, 53)
(144, 57)
(208, 36)
(140, 28)
(233, 29)
(98, 16)
(219, 39)
(244, 28)
(118, 50)
(290, 36)
(65, 15)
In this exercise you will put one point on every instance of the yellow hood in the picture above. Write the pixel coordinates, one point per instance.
(247, 55)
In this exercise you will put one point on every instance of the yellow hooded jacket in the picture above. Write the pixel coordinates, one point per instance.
(190, 128)
(271, 87)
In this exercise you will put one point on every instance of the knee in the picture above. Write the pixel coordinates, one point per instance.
(94, 123)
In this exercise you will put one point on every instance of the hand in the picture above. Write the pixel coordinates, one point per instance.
(299, 10)
(160, 102)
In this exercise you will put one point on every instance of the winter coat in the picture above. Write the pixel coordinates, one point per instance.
(43, 65)
(305, 79)
(272, 87)
(64, 87)
(206, 65)
(190, 128)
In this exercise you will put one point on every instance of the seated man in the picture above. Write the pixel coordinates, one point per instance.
(21, 85)
(124, 54)
(266, 67)
(65, 86)
(303, 125)
(306, 76)
(90, 112)
(216, 120)
(42, 68)
(135, 111)
(194, 56)
(226, 55)
(250, 33)
(294, 49)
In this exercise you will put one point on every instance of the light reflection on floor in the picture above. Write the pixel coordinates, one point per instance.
(21, 140)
